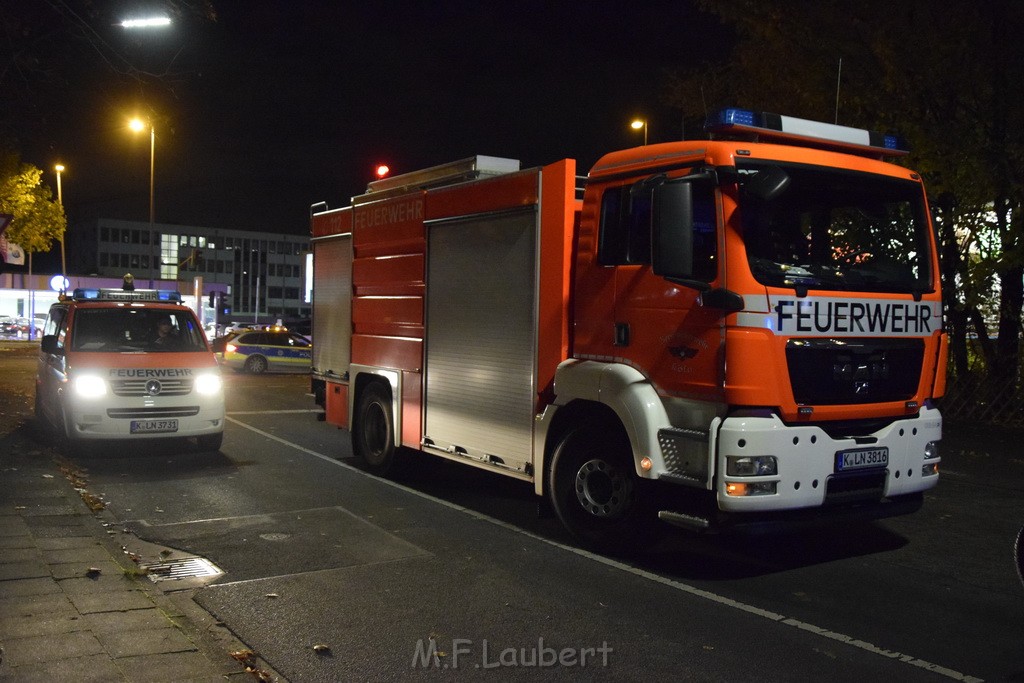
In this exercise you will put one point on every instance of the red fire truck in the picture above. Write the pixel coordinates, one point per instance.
(734, 332)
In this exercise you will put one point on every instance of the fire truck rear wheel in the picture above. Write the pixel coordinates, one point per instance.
(596, 494)
(373, 430)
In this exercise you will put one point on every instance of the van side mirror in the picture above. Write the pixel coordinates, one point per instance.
(48, 344)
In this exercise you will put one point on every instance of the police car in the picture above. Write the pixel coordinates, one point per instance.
(124, 364)
(269, 350)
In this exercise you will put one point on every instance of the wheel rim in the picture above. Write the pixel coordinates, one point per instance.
(257, 364)
(602, 489)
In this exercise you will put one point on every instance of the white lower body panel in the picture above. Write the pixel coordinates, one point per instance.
(807, 460)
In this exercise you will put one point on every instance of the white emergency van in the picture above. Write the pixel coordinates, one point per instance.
(126, 364)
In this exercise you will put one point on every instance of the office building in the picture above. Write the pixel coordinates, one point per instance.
(263, 271)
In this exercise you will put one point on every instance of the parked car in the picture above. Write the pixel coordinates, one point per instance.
(14, 326)
(261, 351)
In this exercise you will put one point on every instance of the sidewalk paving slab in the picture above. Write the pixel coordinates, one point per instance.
(75, 606)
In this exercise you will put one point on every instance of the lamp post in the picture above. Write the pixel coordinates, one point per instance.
(637, 125)
(59, 168)
(138, 125)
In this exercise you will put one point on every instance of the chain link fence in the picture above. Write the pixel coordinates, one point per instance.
(980, 398)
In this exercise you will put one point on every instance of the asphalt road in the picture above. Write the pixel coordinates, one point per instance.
(454, 562)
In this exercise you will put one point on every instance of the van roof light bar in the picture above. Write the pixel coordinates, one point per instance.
(111, 294)
(747, 123)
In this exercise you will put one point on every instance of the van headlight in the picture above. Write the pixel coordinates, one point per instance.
(208, 384)
(90, 386)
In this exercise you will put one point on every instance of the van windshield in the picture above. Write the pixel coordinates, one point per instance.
(133, 329)
(821, 228)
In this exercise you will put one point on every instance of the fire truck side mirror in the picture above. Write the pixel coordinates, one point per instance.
(672, 230)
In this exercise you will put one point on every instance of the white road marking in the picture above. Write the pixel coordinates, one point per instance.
(672, 583)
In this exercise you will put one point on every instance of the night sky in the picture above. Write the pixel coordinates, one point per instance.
(280, 104)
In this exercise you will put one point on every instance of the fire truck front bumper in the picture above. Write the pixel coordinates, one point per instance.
(766, 465)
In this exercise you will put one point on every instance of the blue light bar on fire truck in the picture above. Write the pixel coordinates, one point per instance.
(111, 294)
(816, 133)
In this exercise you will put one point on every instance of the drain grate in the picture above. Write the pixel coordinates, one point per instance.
(185, 568)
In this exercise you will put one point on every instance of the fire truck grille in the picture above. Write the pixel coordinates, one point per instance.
(835, 371)
(147, 413)
(150, 387)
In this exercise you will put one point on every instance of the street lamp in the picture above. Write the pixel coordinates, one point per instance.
(637, 125)
(147, 22)
(59, 168)
(138, 125)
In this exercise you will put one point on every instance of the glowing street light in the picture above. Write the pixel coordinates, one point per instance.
(147, 22)
(637, 125)
(59, 168)
(138, 125)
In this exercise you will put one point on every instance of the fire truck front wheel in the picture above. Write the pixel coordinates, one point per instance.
(596, 493)
(373, 429)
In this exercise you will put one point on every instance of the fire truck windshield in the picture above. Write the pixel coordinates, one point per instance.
(822, 228)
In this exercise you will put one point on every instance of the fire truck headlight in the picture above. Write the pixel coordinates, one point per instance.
(931, 457)
(208, 384)
(751, 466)
(90, 386)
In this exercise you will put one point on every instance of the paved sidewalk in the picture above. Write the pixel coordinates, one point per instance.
(74, 604)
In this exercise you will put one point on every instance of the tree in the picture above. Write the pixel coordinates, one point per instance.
(38, 220)
(946, 74)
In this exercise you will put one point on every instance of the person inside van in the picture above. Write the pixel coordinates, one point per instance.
(166, 336)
